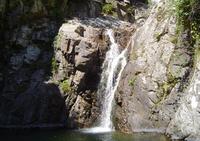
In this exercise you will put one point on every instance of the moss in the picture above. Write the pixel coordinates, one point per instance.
(166, 88)
(108, 9)
(188, 18)
(57, 40)
(158, 36)
(65, 86)
(197, 53)
(54, 65)
(173, 39)
(131, 82)
(130, 10)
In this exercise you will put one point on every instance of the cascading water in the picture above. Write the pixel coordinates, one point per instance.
(113, 66)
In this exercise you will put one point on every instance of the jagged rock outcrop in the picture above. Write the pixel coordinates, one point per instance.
(51, 82)
(79, 53)
(26, 100)
(47, 82)
(27, 32)
(152, 85)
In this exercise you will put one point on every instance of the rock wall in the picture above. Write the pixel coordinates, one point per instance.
(48, 81)
(28, 29)
(79, 54)
(185, 123)
(26, 99)
(159, 70)
(51, 81)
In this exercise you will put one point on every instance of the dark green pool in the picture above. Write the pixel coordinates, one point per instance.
(63, 135)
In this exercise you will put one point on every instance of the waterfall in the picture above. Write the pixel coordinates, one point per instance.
(113, 66)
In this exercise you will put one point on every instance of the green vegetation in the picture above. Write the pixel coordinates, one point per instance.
(131, 10)
(158, 36)
(54, 65)
(108, 9)
(65, 86)
(188, 18)
(30, 10)
(173, 39)
(131, 82)
(57, 40)
(166, 88)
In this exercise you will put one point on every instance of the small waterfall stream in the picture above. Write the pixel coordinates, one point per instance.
(113, 66)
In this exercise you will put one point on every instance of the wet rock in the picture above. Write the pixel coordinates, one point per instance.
(32, 54)
(16, 61)
(146, 82)
(24, 37)
(79, 56)
(153, 94)
(80, 111)
(79, 60)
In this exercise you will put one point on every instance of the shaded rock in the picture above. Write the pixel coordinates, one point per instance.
(16, 61)
(80, 30)
(79, 58)
(32, 54)
(80, 111)
(186, 120)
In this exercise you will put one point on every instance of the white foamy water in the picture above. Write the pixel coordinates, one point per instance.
(113, 66)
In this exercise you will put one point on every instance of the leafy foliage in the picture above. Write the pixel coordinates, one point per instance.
(108, 8)
(65, 86)
(54, 65)
(188, 16)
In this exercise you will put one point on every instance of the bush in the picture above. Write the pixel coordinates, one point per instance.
(54, 65)
(65, 86)
(108, 8)
(188, 16)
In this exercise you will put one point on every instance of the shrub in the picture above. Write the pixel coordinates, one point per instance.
(108, 8)
(57, 40)
(54, 65)
(188, 17)
(65, 86)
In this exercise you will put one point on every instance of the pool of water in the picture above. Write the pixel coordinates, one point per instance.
(63, 135)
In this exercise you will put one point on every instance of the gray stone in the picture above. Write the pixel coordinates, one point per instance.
(143, 86)
(32, 54)
(16, 61)
(23, 37)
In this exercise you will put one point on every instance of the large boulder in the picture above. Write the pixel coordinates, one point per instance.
(80, 48)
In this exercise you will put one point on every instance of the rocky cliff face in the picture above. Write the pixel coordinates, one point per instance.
(79, 52)
(48, 80)
(28, 29)
(80, 49)
(153, 92)
(146, 82)
(49, 74)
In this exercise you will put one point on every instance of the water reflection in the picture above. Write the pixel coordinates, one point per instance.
(105, 137)
(78, 136)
